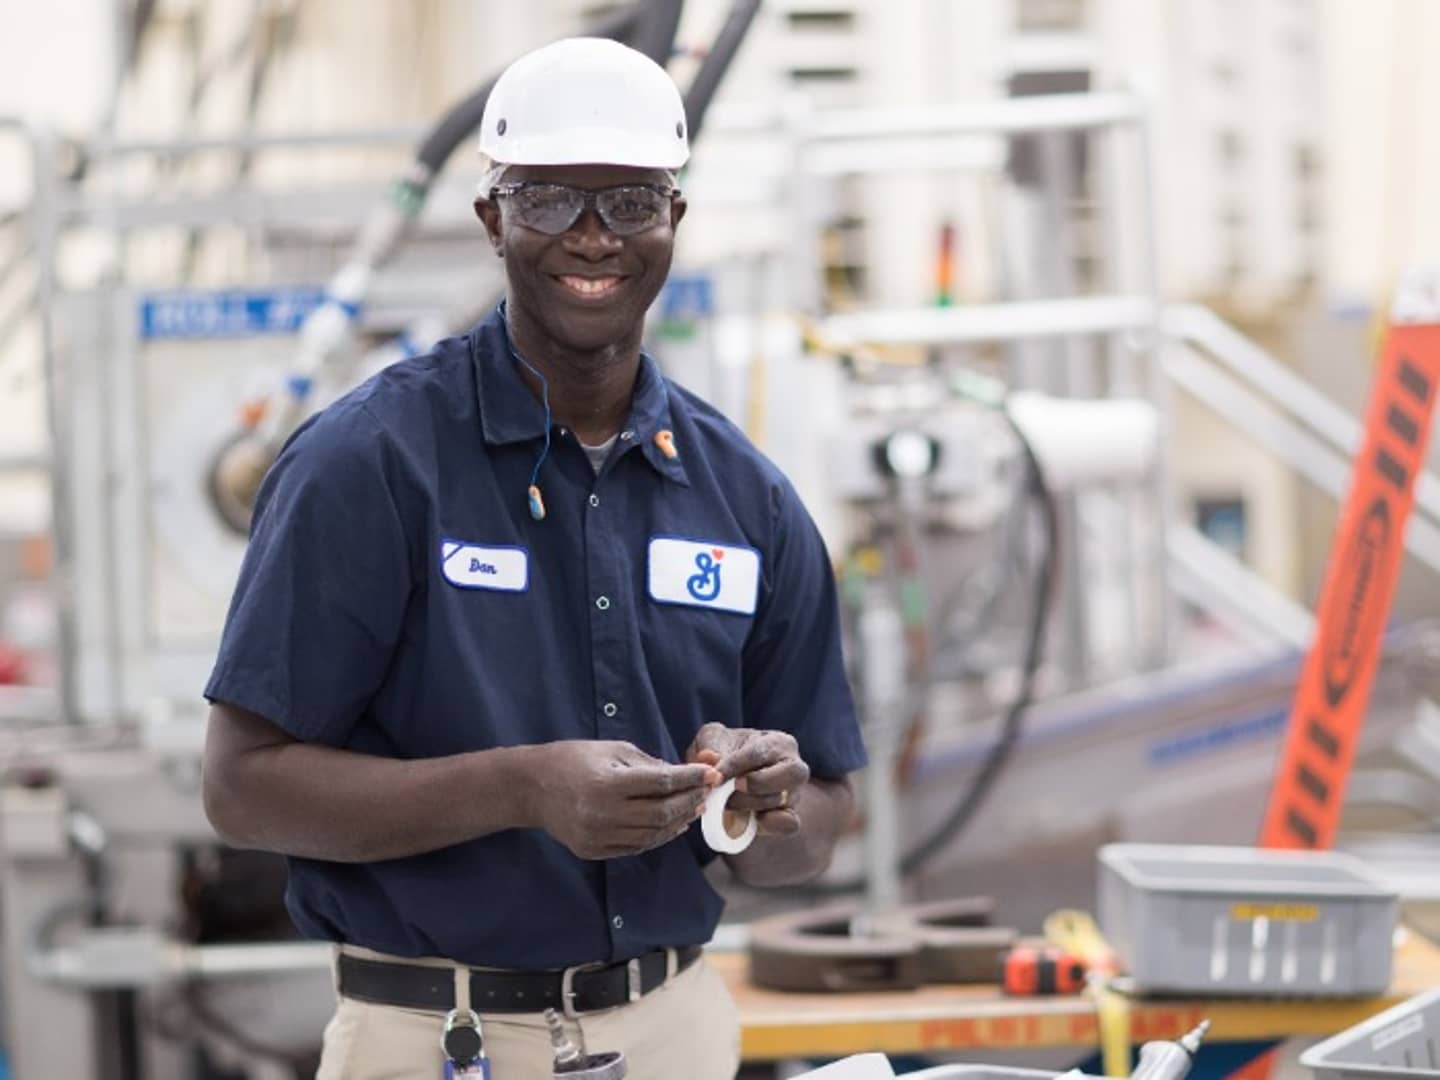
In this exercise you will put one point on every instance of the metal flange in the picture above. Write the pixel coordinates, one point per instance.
(957, 942)
(814, 951)
(946, 941)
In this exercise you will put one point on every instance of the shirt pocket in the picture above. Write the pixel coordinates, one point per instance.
(694, 656)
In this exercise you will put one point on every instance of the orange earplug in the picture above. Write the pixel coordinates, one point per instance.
(251, 413)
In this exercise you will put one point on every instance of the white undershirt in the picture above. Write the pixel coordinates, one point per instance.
(599, 454)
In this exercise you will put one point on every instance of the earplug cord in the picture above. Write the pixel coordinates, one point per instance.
(664, 438)
(535, 499)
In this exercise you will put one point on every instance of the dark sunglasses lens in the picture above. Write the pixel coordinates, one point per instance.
(631, 209)
(547, 208)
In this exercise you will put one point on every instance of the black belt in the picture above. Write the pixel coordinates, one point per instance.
(574, 990)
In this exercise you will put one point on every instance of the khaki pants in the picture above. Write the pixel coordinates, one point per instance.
(687, 1029)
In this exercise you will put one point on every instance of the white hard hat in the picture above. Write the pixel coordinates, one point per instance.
(585, 101)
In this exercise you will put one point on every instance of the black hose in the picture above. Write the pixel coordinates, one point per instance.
(655, 34)
(717, 63)
(996, 758)
(1004, 745)
(1010, 566)
(139, 25)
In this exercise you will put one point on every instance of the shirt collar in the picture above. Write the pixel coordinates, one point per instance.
(509, 412)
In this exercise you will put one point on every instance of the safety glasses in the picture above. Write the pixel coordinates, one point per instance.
(553, 208)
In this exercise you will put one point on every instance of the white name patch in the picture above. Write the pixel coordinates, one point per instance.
(471, 566)
(699, 573)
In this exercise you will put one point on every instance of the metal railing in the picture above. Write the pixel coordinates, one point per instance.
(1282, 412)
(1212, 578)
(1201, 327)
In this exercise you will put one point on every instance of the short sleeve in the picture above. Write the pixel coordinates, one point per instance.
(794, 669)
(322, 594)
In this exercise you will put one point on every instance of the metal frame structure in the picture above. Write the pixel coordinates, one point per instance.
(863, 142)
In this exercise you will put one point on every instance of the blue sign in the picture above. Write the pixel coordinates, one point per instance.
(226, 313)
(687, 296)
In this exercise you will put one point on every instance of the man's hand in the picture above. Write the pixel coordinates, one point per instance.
(603, 800)
(769, 769)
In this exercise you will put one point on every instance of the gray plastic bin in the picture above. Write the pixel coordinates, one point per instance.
(1246, 921)
(1400, 1042)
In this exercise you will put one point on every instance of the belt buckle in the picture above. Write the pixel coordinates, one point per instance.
(567, 988)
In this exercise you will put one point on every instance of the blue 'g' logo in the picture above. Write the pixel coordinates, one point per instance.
(704, 586)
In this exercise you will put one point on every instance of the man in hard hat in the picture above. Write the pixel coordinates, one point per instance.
(509, 613)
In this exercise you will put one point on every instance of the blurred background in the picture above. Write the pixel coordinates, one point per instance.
(1164, 234)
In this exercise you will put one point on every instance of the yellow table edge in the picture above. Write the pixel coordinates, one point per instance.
(777, 1026)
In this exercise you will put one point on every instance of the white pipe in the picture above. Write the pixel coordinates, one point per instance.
(113, 958)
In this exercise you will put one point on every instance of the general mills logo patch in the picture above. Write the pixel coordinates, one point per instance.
(704, 573)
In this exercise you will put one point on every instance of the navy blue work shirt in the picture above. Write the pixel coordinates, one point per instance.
(397, 598)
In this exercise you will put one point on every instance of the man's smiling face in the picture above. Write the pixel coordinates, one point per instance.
(587, 288)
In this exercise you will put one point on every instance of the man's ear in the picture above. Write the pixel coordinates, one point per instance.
(677, 211)
(489, 214)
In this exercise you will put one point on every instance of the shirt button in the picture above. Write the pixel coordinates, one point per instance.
(594, 500)
(609, 709)
(626, 436)
(618, 923)
(603, 603)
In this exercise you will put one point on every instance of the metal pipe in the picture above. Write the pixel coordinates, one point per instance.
(881, 648)
(220, 961)
(1067, 376)
(1220, 577)
(1008, 116)
(101, 148)
(993, 322)
(24, 461)
(1167, 614)
(45, 225)
(1056, 112)
(336, 207)
(113, 958)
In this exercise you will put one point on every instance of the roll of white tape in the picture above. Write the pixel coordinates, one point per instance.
(712, 823)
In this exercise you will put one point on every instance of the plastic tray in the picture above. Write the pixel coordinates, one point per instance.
(1400, 1042)
(1227, 920)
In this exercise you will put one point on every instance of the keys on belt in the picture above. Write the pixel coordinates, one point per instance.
(464, 1047)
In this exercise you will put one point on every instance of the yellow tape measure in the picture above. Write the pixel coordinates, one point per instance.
(1076, 933)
